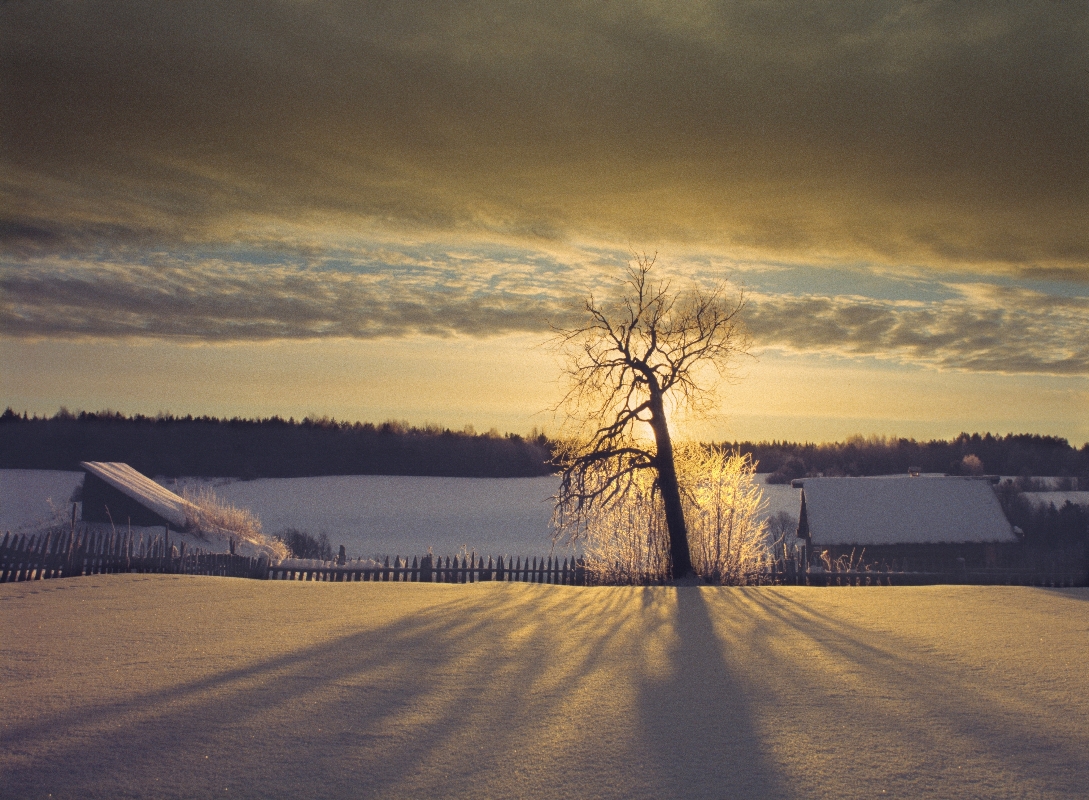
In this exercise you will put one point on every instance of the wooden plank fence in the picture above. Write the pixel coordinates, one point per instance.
(432, 569)
(84, 551)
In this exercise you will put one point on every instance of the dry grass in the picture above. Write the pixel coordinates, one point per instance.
(212, 516)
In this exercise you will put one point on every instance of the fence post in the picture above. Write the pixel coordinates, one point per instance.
(427, 568)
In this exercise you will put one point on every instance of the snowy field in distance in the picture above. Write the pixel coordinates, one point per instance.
(400, 515)
(377, 514)
(30, 498)
(369, 514)
(390, 515)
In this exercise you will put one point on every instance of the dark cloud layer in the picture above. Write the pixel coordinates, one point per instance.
(983, 329)
(1010, 332)
(942, 133)
(232, 302)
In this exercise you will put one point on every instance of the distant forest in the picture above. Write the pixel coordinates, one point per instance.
(1019, 454)
(264, 448)
(278, 448)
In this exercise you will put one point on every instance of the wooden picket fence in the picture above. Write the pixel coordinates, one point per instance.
(81, 551)
(432, 569)
(573, 572)
(85, 551)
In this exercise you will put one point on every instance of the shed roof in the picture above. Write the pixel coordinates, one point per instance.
(142, 489)
(902, 510)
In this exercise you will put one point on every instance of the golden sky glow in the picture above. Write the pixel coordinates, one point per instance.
(901, 188)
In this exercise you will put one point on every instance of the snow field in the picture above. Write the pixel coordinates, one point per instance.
(180, 686)
(369, 514)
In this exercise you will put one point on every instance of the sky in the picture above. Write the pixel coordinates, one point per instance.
(379, 211)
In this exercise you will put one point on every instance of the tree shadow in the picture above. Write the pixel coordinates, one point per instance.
(470, 696)
(1071, 593)
(694, 711)
(909, 715)
(504, 690)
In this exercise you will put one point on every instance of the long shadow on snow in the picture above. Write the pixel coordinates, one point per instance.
(913, 707)
(461, 699)
(694, 714)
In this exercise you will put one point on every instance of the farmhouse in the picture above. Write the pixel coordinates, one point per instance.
(115, 492)
(906, 522)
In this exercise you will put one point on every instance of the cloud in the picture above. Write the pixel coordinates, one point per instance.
(216, 301)
(944, 134)
(979, 327)
(987, 329)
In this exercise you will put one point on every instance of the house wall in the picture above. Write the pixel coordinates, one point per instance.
(104, 503)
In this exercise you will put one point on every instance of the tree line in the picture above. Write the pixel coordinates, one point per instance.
(264, 448)
(279, 448)
(1011, 454)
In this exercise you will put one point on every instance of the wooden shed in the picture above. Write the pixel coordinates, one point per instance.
(906, 522)
(115, 492)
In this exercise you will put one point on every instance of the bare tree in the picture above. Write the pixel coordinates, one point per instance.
(653, 350)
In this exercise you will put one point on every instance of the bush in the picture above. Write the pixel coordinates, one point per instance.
(301, 544)
(625, 540)
(726, 535)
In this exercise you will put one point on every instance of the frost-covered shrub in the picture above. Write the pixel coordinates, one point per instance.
(727, 536)
(626, 539)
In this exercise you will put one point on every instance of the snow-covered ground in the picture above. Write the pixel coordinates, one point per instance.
(395, 515)
(375, 514)
(33, 498)
(369, 514)
(167, 686)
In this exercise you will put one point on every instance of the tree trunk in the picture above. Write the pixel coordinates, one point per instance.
(680, 559)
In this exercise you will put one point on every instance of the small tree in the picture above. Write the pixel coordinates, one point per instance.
(652, 350)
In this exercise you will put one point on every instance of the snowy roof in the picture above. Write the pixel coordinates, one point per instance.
(142, 489)
(902, 510)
